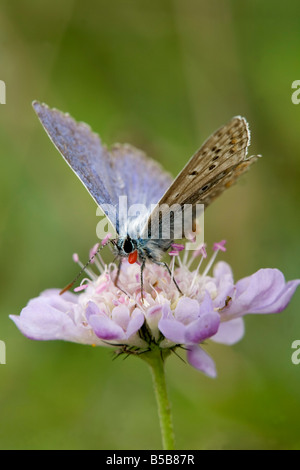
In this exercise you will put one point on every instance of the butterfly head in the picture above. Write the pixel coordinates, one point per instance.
(127, 248)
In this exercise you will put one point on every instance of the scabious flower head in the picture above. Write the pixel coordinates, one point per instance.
(104, 314)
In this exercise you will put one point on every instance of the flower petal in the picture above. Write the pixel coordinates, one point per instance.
(203, 328)
(199, 359)
(136, 321)
(120, 315)
(40, 321)
(186, 310)
(91, 309)
(264, 292)
(105, 328)
(172, 330)
(68, 296)
(283, 299)
(225, 283)
(222, 270)
(153, 315)
(206, 306)
(230, 332)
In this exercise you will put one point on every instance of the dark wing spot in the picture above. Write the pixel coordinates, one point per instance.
(212, 167)
(216, 156)
(194, 173)
(221, 175)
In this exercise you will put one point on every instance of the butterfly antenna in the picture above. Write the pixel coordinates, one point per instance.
(68, 287)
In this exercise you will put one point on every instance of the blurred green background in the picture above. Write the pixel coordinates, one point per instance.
(162, 75)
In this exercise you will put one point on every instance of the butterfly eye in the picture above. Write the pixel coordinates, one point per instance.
(128, 246)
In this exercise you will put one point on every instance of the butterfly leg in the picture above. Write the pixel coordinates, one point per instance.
(172, 277)
(142, 279)
(117, 278)
(118, 273)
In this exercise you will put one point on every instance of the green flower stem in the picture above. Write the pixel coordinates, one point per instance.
(156, 361)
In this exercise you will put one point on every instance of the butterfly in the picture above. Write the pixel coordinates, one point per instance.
(125, 171)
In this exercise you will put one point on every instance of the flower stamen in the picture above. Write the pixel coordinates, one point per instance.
(217, 247)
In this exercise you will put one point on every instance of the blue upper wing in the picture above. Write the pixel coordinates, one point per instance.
(107, 175)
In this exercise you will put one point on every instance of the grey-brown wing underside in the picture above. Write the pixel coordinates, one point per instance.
(211, 170)
(107, 175)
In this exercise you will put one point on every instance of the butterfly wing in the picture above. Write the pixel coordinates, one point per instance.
(107, 175)
(144, 182)
(212, 169)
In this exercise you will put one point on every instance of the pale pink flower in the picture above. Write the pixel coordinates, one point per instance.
(104, 314)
